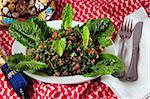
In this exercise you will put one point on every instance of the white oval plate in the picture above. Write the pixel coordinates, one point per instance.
(19, 48)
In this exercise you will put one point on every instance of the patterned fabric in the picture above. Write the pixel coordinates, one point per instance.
(146, 5)
(6, 41)
(83, 10)
(16, 80)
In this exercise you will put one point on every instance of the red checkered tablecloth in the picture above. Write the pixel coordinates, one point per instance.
(83, 11)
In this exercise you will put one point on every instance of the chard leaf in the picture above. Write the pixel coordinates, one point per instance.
(67, 15)
(85, 36)
(59, 46)
(27, 33)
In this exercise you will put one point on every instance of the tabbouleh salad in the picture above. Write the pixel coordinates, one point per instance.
(67, 51)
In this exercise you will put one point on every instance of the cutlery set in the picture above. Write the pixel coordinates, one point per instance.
(126, 32)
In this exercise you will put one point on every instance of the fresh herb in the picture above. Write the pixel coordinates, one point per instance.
(85, 36)
(59, 46)
(76, 28)
(67, 15)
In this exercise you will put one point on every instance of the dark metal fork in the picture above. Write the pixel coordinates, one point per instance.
(125, 33)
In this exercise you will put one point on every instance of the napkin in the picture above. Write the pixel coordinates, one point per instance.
(83, 10)
(139, 88)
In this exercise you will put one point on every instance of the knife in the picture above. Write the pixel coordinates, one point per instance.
(132, 74)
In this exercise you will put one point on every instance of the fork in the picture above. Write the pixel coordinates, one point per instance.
(125, 33)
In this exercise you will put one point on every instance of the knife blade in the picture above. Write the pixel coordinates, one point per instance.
(132, 74)
(137, 33)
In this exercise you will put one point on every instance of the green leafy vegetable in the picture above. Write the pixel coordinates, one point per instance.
(31, 32)
(27, 33)
(30, 65)
(101, 30)
(107, 65)
(109, 30)
(76, 29)
(104, 41)
(101, 26)
(85, 36)
(67, 15)
(59, 46)
(15, 59)
(45, 30)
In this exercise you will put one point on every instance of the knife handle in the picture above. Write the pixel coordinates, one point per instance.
(132, 74)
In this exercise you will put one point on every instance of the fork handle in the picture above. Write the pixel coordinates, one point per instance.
(132, 74)
(120, 52)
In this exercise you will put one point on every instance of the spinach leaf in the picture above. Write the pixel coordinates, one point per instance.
(108, 65)
(27, 33)
(67, 15)
(59, 46)
(85, 36)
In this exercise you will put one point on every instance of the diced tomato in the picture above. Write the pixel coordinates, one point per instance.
(69, 42)
(93, 61)
(55, 34)
(77, 66)
(90, 51)
(52, 38)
